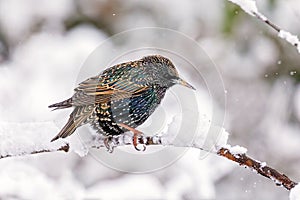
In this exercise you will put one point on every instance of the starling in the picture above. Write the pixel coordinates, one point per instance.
(121, 98)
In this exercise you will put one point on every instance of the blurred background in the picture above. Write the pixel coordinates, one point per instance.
(43, 45)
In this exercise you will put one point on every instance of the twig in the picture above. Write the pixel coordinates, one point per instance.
(267, 21)
(64, 148)
(249, 6)
(259, 167)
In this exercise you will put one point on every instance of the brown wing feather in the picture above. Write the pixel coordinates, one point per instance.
(77, 118)
(112, 84)
(99, 90)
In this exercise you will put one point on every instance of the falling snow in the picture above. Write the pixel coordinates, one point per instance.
(292, 73)
(41, 66)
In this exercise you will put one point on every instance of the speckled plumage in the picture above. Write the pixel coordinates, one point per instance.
(126, 93)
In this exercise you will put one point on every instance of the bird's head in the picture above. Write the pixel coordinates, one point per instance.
(164, 71)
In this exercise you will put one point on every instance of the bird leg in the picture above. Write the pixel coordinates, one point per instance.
(109, 144)
(137, 135)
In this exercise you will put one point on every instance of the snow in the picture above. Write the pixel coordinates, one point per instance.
(78, 146)
(44, 57)
(249, 6)
(127, 188)
(24, 138)
(29, 13)
(26, 182)
(15, 176)
(210, 137)
(263, 164)
(297, 102)
(295, 193)
(292, 39)
(207, 137)
(235, 150)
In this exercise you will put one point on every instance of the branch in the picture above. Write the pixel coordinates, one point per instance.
(249, 6)
(259, 167)
(227, 152)
(64, 148)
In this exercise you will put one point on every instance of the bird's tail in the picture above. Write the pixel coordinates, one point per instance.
(64, 104)
(67, 130)
(78, 117)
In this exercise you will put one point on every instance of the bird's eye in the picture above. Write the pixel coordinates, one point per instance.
(168, 76)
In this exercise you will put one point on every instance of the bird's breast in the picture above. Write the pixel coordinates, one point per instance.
(132, 111)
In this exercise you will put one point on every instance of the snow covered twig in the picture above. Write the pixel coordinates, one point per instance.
(64, 148)
(249, 6)
(16, 144)
(260, 167)
(228, 152)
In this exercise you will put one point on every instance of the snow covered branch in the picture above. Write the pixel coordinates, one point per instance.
(64, 148)
(16, 144)
(260, 167)
(249, 6)
(236, 154)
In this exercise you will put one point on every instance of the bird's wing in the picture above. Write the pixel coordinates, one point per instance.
(101, 89)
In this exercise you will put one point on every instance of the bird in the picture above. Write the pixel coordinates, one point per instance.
(120, 98)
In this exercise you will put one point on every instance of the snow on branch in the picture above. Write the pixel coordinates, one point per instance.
(295, 193)
(249, 6)
(20, 139)
(260, 167)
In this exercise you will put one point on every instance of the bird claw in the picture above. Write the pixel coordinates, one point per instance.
(138, 138)
(144, 148)
(109, 144)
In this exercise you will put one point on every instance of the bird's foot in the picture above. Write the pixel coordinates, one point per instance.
(138, 138)
(109, 144)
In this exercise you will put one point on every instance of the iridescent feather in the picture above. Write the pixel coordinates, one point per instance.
(126, 93)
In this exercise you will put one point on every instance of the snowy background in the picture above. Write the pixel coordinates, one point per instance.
(43, 45)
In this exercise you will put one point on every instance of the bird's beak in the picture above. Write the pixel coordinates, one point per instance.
(184, 83)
